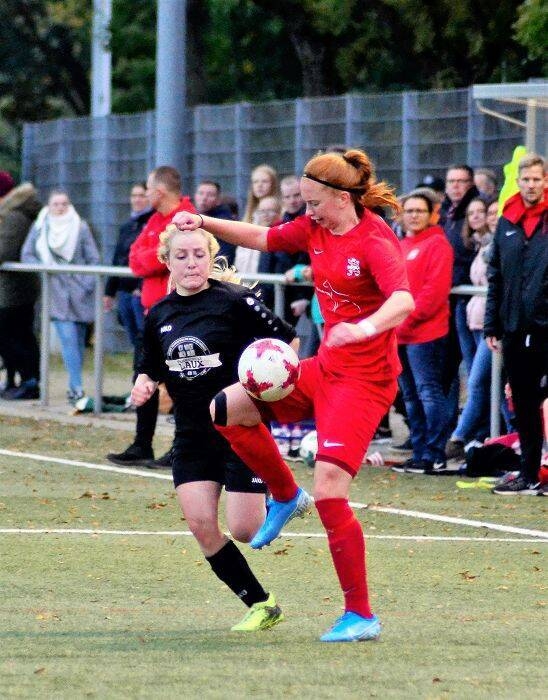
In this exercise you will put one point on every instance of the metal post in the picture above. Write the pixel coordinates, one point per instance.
(241, 164)
(279, 299)
(496, 370)
(299, 141)
(171, 84)
(408, 103)
(44, 339)
(101, 59)
(348, 120)
(98, 347)
(531, 126)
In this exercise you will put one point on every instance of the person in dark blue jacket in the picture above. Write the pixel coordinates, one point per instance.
(207, 200)
(128, 289)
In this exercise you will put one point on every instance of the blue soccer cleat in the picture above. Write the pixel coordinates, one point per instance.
(353, 628)
(278, 514)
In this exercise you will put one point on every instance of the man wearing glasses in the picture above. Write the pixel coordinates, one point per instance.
(459, 192)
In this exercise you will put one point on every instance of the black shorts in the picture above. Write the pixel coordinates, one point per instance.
(199, 456)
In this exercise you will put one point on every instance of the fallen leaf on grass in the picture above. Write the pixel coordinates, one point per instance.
(467, 576)
(281, 551)
(436, 680)
(40, 670)
(87, 494)
(156, 506)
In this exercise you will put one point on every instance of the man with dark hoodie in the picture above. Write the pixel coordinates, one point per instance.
(459, 191)
(516, 315)
(19, 207)
(207, 200)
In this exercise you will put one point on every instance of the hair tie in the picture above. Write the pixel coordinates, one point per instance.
(355, 190)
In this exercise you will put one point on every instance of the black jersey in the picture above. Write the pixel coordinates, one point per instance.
(193, 343)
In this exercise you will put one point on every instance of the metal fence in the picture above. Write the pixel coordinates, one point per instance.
(408, 135)
(100, 272)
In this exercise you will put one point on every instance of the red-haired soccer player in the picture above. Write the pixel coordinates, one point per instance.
(361, 283)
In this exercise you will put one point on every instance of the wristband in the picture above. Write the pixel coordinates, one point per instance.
(367, 327)
(201, 221)
(298, 272)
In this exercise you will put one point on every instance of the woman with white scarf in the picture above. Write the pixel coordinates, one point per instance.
(58, 237)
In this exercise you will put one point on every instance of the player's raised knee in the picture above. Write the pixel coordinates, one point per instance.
(218, 409)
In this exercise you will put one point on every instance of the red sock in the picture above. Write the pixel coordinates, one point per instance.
(347, 545)
(256, 447)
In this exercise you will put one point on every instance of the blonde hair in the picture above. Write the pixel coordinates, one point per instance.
(352, 171)
(253, 201)
(530, 160)
(220, 269)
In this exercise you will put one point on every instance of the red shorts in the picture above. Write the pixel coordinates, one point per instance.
(347, 412)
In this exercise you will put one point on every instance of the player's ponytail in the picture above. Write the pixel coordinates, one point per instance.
(352, 172)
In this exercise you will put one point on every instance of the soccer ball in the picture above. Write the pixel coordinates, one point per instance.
(309, 448)
(268, 369)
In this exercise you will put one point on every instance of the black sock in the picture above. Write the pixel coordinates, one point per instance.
(230, 566)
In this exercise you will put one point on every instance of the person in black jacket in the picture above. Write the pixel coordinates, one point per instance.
(128, 289)
(207, 200)
(516, 315)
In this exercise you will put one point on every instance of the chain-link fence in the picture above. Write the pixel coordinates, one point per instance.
(408, 135)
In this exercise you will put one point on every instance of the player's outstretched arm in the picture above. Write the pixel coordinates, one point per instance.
(143, 389)
(394, 310)
(236, 232)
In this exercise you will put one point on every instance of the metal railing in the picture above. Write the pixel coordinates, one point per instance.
(100, 272)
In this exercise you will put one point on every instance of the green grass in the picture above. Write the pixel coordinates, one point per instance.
(142, 616)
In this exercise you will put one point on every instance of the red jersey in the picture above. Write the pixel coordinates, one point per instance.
(354, 274)
(429, 260)
(143, 255)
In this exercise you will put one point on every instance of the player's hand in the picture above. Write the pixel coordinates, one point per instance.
(375, 458)
(185, 221)
(143, 389)
(299, 306)
(343, 334)
(492, 343)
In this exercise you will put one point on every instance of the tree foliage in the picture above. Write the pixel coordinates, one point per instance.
(532, 29)
(260, 50)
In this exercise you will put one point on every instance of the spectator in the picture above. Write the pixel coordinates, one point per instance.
(164, 195)
(297, 299)
(492, 215)
(264, 183)
(207, 200)
(128, 289)
(59, 236)
(292, 200)
(473, 423)
(516, 315)
(460, 191)
(18, 291)
(486, 182)
(422, 337)
(268, 211)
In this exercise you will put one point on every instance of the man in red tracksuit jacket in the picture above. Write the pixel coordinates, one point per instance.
(164, 195)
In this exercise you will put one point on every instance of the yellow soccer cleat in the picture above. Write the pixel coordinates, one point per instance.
(260, 616)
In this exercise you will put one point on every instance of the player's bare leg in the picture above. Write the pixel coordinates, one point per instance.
(237, 418)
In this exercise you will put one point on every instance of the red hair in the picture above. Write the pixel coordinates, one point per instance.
(352, 171)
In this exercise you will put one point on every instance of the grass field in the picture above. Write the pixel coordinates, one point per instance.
(141, 616)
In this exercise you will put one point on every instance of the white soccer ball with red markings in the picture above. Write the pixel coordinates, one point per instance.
(268, 369)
